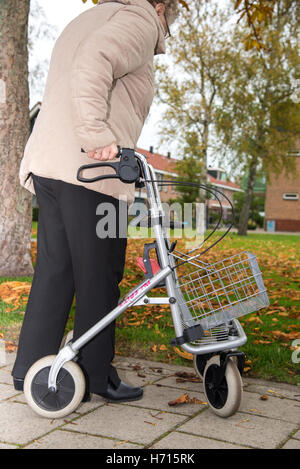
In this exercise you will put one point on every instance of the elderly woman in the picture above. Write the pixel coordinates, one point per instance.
(98, 94)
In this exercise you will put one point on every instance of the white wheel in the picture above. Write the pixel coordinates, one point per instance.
(69, 394)
(223, 397)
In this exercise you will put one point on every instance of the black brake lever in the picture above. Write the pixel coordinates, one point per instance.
(127, 169)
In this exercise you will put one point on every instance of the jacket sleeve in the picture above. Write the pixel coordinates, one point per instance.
(125, 43)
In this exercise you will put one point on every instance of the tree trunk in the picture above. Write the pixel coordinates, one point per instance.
(15, 202)
(244, 217)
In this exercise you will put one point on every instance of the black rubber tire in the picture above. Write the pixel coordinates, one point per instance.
(224, 399)
(200, 363)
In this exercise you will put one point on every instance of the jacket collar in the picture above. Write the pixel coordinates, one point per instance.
(161, 44)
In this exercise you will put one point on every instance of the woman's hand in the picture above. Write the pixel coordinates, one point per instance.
(104, 154)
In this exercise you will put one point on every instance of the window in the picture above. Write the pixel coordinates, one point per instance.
(290, 196)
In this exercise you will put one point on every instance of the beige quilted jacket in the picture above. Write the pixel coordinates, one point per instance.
(99, 91)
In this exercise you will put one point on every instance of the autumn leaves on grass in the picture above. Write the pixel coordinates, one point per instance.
(15, 294)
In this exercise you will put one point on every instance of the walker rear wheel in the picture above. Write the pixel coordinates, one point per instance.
(200, 363)
(223, 393)
(67, 397)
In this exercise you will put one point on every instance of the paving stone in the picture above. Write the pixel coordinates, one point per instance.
(186, 385)
(258, 424)
(279, 390)
(18, 398)
(185, 441)
(5, 446)
(157, 397)
(94, 403)
(20, 425)
(285, 410)
(244, 429)
(126, 423)
(7, 391)
(297, 435)
(292, 444)
(71, 440)
(156, 368)
(5, 376)
(10, 358)
(138, 377)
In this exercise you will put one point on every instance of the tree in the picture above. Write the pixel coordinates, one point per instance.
(257, 16)
(189, 169)
(257, 119)
(257, 206)
(189, 87)
(15, 202)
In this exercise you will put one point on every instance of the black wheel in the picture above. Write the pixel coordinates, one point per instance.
(200, 363)
(224, 396)
(67, 397)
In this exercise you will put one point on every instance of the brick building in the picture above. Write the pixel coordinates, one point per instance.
(283, 200)
(165, 169)
(217, 178)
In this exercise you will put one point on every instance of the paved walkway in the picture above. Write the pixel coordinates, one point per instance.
(151, 422)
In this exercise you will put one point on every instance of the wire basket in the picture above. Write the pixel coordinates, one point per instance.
(213, 294)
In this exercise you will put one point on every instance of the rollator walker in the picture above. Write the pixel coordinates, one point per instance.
(205, 301)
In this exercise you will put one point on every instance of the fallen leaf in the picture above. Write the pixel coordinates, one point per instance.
(120, 443)
(180, 400)
(256, 342)
(239, 424)
(163, 347)
(184, 354)
(155, 416)
(256, 411)
(194, 400)
(185, 399)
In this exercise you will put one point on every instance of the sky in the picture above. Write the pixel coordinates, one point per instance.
(58, 13)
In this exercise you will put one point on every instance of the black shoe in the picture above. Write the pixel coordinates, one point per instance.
(123, 393)
(19, 384)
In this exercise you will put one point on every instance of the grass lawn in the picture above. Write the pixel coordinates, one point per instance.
(145, 332)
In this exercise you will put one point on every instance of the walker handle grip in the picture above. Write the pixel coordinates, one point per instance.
(127, 169)
(97, 178)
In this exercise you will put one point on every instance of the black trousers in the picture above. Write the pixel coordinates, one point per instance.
(72, 259)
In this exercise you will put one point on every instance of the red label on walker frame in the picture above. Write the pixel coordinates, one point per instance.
(135, 293)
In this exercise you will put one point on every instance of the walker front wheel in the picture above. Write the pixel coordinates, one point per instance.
(223, 391)
(67, 397)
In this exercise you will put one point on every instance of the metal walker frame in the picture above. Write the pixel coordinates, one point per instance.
(196, 333)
